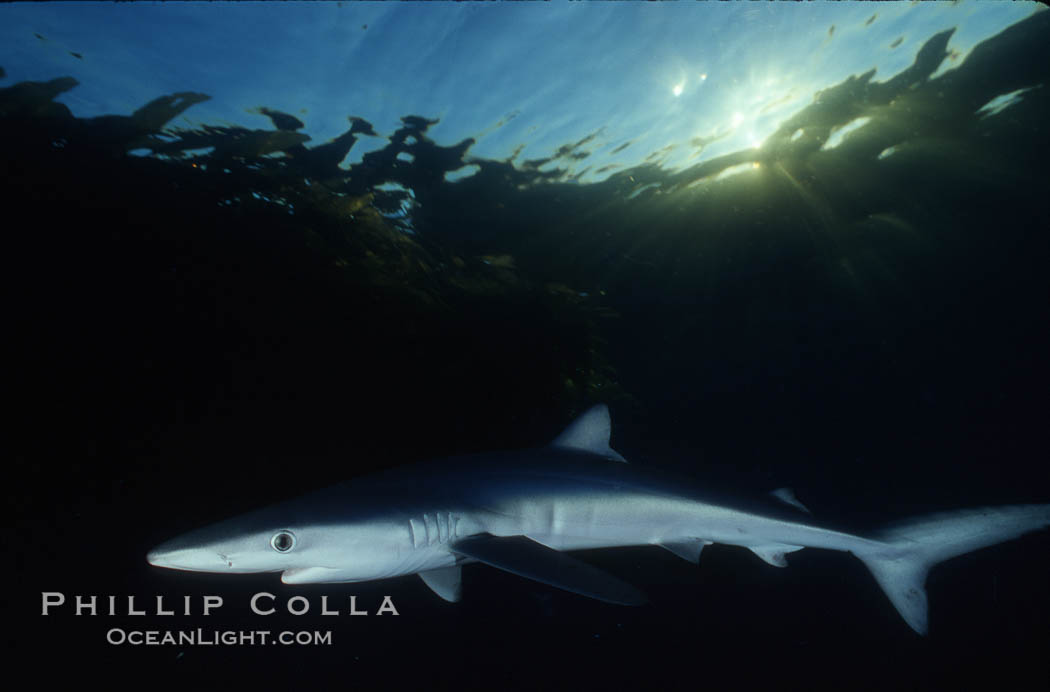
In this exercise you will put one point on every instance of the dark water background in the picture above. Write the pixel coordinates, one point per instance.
(199, 334)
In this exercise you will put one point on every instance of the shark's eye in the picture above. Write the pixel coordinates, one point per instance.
(283, 541)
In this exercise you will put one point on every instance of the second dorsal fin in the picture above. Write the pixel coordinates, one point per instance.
(787, 496)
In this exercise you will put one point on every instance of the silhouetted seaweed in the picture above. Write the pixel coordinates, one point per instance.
(252, 281)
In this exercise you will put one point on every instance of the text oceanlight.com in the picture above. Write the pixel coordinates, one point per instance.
(54, 603)
(201, 637)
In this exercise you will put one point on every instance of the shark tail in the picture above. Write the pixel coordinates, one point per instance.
(910, 548)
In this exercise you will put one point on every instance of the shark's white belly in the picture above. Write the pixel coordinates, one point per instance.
(605, 520)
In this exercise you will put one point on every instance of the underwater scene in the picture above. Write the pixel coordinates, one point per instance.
(788, 261)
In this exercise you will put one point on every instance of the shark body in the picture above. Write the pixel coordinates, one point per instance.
(521, 510)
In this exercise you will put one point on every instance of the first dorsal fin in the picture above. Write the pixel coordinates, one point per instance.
(589, 433)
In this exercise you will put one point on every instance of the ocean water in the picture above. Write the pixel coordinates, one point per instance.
(254, 250)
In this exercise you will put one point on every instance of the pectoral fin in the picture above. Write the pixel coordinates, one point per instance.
(446, 582)
(527, 558)
(313, 575)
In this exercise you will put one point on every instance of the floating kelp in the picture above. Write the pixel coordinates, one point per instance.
(255, 281)
(235, 285)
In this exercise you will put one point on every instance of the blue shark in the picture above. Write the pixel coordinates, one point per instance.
(522, 511)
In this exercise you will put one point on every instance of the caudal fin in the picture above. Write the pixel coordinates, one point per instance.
(912, 547)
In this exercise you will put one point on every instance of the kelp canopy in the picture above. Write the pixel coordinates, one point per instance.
(181, 286)
(234, 286)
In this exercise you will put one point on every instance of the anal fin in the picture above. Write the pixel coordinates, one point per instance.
(774, 552)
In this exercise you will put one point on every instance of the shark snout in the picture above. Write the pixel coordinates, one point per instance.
(195, 559)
